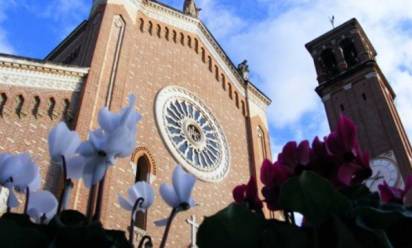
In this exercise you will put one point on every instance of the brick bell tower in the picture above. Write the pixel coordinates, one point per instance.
(351, 83)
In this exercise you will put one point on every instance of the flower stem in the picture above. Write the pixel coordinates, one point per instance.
(65, 195)
(99, 200)
(67, 187)
(142, 241)
(26, 204)
(138, 203)
(169, 223)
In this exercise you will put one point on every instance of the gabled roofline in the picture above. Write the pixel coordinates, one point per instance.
(66, 41)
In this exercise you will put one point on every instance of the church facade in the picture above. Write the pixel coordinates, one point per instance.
(198, 109)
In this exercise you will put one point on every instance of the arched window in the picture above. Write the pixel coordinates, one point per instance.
(19, 105)
(262, 144)
(142, 169)
(3, 101)
(329, 62)
(349, 52)
(145, 171)
(36, 106)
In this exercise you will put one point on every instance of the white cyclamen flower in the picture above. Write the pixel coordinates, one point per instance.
(63, 142)
(141, 190)
(115, 139)
(42, 206)
(178, 195)
(18, 172)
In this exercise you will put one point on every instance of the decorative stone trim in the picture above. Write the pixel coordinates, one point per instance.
(25, 73)
(143, 151)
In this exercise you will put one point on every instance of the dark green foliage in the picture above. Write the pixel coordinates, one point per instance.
(351, 217)
(70, 229)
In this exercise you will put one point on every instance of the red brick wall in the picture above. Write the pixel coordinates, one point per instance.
(27, 130)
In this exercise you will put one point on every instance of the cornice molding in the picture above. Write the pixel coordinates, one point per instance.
(27, 73)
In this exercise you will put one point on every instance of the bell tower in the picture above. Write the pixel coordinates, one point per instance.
(351, 83)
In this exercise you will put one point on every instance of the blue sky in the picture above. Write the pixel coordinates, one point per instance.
(271, 34)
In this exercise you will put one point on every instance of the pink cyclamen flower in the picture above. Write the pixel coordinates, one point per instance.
(248, 193)
(273, 176)
(295, 157)
(352, 163)
(393, 194)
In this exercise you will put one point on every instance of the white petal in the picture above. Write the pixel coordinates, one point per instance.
(98, 139)
(36, 183)
(34, 215)
(19, 167)
(133, 194)
(108, 120)
(162, 222)
(120, 143)
(183, 183)
(124, 203)
(75, 165)
(86, 149)
(28, 174)
(93, 171)
(146, 192)
(62, 141)
(168, 194)
(43, 202)
(12, 201)
(3, 157)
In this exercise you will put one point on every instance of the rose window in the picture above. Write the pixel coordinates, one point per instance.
(192, 134)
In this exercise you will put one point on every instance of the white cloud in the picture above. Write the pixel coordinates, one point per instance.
(283, 68)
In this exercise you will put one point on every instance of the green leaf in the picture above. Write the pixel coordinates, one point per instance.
(234, 226)
(278, 234)
(314, 197)
(335, 233)
(16, 230)
(360, 195)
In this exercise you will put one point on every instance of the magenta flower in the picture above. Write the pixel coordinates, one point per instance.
(295, 157)
(352, 162)
(393, 194)
(356, 171)
(273, 176)
(249, 194)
